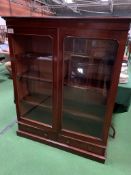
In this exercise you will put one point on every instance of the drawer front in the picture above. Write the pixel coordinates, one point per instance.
(37, 131)
(93, 148)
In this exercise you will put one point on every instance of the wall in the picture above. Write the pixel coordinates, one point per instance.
(8, 8)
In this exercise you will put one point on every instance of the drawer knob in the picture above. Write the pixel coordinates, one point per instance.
(45, 134)
(67, 141)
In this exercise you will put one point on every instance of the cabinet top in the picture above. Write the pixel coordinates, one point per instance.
(70, 18)
(106, 23)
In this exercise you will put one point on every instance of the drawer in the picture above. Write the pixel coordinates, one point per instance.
(37, 131)
(94, 148)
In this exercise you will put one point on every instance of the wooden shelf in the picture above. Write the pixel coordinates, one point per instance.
(85, 111)
(86, 86)
(83, 115)
(42, 100)
(34, 56)
(88, 57)
(34, 75)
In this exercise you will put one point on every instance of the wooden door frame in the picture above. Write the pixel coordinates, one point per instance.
(119, 37)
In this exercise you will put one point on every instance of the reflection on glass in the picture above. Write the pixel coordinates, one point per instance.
(34, 73)
(87, 75)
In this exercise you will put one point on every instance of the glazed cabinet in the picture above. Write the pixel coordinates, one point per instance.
(65, 74)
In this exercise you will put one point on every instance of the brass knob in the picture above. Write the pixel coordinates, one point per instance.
(67, 141)
(45, 134)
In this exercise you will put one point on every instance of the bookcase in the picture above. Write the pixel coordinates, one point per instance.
(65, 75)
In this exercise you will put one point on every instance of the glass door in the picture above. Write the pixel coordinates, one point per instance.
(34, 73)
(88, 65)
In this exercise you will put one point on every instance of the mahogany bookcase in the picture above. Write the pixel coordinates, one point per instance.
(65, 75)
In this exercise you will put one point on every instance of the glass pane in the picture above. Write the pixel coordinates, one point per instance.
(88, 65)
(33, 56)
